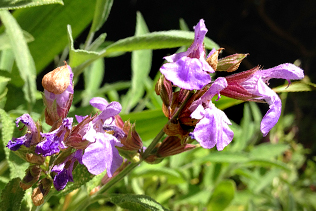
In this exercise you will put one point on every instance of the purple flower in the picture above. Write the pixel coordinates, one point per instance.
(252, 85)
(212, 129)
(64, 170)
(30, 138)
(54, 141)
(189, 70)
(101, 153)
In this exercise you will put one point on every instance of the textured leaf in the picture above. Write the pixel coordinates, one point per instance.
(48, 26)
(78, 56)
(157, 40)
(222, 195)
(101, 14)
(5, 40)
(135, 202)
(223, 157)
(12, 196)
(17, 4)
(16, 164)
(22, 55)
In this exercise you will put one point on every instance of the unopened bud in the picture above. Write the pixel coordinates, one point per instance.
(132, 140)
(163, 88)
(230, 63)
(32, 174)
(57, 80)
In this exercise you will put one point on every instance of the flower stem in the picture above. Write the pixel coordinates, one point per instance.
(86, 202)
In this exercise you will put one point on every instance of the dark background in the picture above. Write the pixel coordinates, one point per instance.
(272, 32)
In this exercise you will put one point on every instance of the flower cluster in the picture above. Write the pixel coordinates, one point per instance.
(199, 118)
(99, 141)
(92, 142)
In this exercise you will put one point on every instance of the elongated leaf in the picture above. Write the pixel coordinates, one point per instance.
(223, 157)
(78, 56)
(18, 4)
(267, 163)
(141, 64)
(135, 202)
(297, 86)
(226, 102)
(222, 195)
(16, 164)
(22, 55)
(48, 26)
(93, 78)
(101, 14)
(156, 40)
(5, 40)
(268, 150)
(12, 195)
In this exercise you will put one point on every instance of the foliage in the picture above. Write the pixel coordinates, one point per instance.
(250, 174)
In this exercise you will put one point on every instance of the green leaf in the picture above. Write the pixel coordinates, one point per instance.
(267, 163)
(223, 157)
(5, 40)
(48, 26)
(268, 150)
(16, 164)
(141, 65)
(12, 196)
(183, 25)
(93, 77)
(101, 14)
(297, 86)
(135, 202)
(148, 123)
(173, 176)
(156, 40)
(77, 57)
(222, 195)
(18, 4)
(226, 102)
(81, 176)
(22, 55)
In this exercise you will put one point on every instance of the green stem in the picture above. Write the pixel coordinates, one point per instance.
(86, 202)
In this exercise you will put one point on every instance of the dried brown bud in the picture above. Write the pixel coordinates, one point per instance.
(213, 58)
(57, 80)
(32, 174)
(41, 191)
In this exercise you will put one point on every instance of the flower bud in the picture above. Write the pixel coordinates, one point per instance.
(58, 93)
(230, 63)
(32, 174)
(132, 140)
(163, 88)
(57, 80)
(41, 191)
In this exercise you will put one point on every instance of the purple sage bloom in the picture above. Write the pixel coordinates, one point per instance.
(252, 85)
(189, 70)
(64, 170)
(30, 138)
(101, 153)
(212, 129)
(54, 141)
(257, 85)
